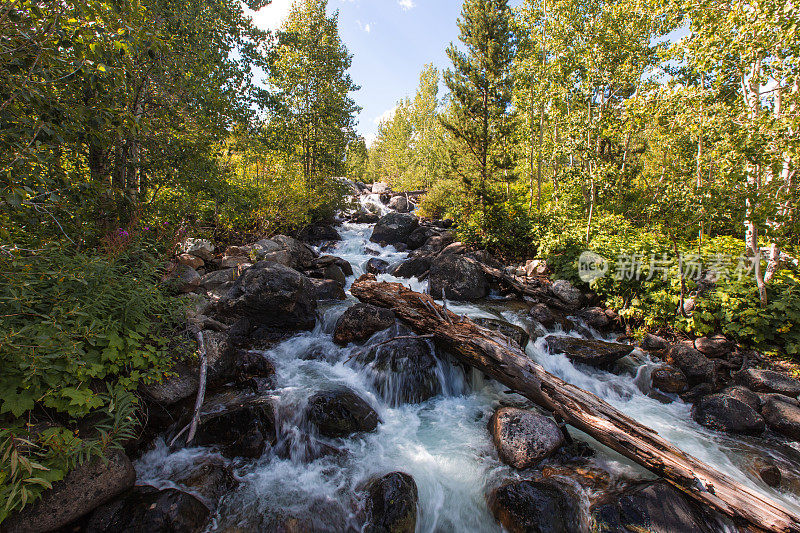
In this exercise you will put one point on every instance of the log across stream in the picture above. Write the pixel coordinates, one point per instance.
(492, 354)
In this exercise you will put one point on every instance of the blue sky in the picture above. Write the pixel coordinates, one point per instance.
(391, 40)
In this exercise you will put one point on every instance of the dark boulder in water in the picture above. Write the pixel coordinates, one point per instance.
(457, 277)
(394, 228)
(534, 506)
(391, 504)
(524, 438)
(146, 509)
(588, 351)
(241, 427)
(360, 322)
(517, 334)
(726, 413)
(341, 413)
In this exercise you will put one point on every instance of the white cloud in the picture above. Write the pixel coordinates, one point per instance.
(272, 15)
(364, 27)
(407, 4)
(386, 115)
(367, 28)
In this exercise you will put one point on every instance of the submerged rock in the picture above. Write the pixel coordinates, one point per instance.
(515, 333)
(209, 481)
(534, 506)
(376, 266)
(402, 370)
(588, 351)
(391, 504)
(241, 428)
(146, 509)
(726, 413)
(328, 289)
(340, 413)
(85, 488)
(458, 278)
(271, 294)
(769, 381)
(524, 438)
(360, 322)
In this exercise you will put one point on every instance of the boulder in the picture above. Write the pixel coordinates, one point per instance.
(376, 266)
(769, 381)
(322, 262)
(262, 248)
(454, 248)
(434, 245)
(191, 261)
(182, 278)
(391, 504)
(515, 333)
(696, 367)
(271, 294)
(202, 248)
(82, 490)
(334, 272)
(254, 369)
(458, 278)
(402, 370)
(364, 217)
(146, 509)
(234, 261)
(299, 253)
(420, 236)
(380, 187)
(240, 426)
(340, 413)
(181, 385)
(726, 413)
(782, 415)
(524, 438)
(588, 351)
(771, 475)
(394, 228)
(716, 346)
(669, 379)
(654, 343)
(743, 394)
(567, 293)
(328, 289)
(318, 232)
(209, 480)
(399, 204)
(360, 322)
(219, 281)
(596, 317)
(654, 507)
(543, 315)
(414, 267)
(534, 506)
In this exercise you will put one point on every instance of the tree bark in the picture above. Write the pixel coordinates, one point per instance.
(493, 354)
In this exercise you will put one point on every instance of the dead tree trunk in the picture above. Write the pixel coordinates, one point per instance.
(494, 355)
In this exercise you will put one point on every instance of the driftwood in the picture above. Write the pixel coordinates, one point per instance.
(490, 353)
(538, 290)
(201, 394)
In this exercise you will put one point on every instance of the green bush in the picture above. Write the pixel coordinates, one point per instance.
(80, 333)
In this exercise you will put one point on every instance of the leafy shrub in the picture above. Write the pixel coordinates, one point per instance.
(80, 333)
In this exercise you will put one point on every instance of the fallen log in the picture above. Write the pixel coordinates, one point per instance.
(491, 353)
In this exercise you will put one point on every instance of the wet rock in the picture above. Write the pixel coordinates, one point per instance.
(146, 509)
(420, 236)
(335, 273)
(202, 248)
(241, 428)
(654, 507)
(458, 278)
(360, 322)
(543, 315)
(771, 475)
(515, 333)
(726, 413)
(524, 438)
(209, 481)
(403, 370)
(182, 278)
(567, 293)
(588, 351)
(697, 392)
(669, 379)
(716, 346)
(534, 506)
(271, 294)
(321, 263)
(743, 394)
(596, 317)
(300, 254)
(759, 380)
(654, 342)
(414, 267)
(394, 228)
(85, 488)
(697, 367)
(328, 289)
(340, 413)
(376, 266)
(391, 504)
(363, 217)
(399, 204)
(191, 261)
(782, 415)
(253, 367)
(435, 244)
(318, 232)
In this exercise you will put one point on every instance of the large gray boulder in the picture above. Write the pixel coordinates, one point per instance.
(271, 294)
(782, 414)
(588, 351)
(458, 278)
(768, 381)
(394, 228)
(567, 293)
(399, 204)
(85, 488)
(726, 413)
(202, 248)
(391, 504)
(524, 438)
(300, 255)
(360, 322)
(534, 506)
(340, 413)
(696, 367)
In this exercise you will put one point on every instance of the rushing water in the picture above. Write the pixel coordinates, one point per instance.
(443, 443)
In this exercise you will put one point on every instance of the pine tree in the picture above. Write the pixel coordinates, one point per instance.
(314, 115)
(480, 87)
